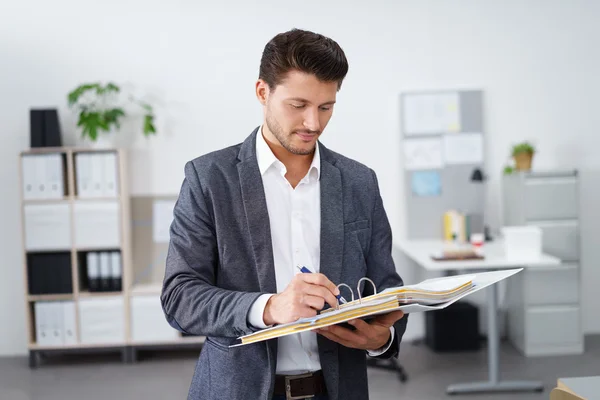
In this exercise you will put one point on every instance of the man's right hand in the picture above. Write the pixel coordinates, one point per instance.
(303, 297)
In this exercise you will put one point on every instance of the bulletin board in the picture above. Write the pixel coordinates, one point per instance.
(151, 219)
(442, 145)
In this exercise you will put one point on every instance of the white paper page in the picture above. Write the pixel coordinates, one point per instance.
(439, 284)
(431, 113)
(423, 154)
(463, 148)
(162, 217)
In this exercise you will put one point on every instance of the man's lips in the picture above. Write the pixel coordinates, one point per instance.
(306, 136)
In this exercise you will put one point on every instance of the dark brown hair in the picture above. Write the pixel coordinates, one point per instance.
(305, 51)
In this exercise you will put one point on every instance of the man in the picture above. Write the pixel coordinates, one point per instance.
(249, 216)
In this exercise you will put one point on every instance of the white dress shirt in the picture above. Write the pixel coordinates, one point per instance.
(295, 222)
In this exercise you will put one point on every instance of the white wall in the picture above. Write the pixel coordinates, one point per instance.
(537, 62)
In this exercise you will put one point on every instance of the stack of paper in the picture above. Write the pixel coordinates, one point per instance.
(432, 294)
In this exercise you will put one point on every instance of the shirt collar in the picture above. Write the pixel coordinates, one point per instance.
(266, 159)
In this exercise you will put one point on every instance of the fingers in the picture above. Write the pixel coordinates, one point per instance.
(315, 302)
(335, 338)
(321, 280)
(362, 327)
(321, 292)
(389, 319)
(358, 340)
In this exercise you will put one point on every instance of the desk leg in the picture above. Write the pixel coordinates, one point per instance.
(494, 384)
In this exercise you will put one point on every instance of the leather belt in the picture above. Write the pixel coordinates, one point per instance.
(300, 386)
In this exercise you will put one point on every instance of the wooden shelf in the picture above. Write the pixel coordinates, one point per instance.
(97, 249)
(45, 150)
(124, 245)
(95, 199)
(50, 297)
(35, 346)
(181, 340)
(65, 199)
(87, 294)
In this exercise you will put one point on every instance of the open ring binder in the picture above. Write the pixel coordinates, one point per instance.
(358, 288)
(429, 295)
(351, 292)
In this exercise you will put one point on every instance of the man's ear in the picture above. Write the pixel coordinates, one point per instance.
(262, 92)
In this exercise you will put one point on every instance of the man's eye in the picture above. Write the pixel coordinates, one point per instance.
(298, 105)
(325, 108)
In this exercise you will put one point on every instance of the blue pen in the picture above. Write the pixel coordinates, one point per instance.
(305, 270)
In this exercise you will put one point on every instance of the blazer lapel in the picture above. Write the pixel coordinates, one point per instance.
(257, 215)
(332, 247)
(332, 218)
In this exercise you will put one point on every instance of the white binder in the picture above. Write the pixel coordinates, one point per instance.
(93, 270)
(97, 174)
(105, 274)
(110, 181)
(29, 184)
(54, 176)
(69, 324)
(83, 175)
(42, 325)
(55, 310)
(115, 265)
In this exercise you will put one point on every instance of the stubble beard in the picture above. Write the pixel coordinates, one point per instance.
(285, 139)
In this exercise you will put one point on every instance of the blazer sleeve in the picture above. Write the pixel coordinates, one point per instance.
(380, 264)
(190, 299)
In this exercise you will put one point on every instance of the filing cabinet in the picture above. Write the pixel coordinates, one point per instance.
(544, 303)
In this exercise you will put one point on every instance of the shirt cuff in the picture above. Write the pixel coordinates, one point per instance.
(257, 310)
(380, 351)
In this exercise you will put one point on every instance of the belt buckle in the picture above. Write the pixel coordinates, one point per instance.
(288, 387)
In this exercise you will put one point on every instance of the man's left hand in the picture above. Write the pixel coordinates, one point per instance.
(367, 336)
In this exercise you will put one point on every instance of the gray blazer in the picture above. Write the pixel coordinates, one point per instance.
(220, 260)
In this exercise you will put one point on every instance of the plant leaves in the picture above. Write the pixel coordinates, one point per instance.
(74, 95)
(111, 87)
(149, 127)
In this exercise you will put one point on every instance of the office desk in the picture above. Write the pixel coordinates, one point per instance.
(420, 252)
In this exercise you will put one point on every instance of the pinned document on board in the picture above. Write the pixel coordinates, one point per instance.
(431, 113)
(426, 183)
(162, 217)
(463, 148)
(423, 154)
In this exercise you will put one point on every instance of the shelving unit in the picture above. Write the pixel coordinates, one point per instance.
(57, 240)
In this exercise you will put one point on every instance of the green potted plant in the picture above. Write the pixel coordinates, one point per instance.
(101, 110)
(523, 153)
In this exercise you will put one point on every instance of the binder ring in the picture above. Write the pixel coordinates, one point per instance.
(351, 292)
(358, 288)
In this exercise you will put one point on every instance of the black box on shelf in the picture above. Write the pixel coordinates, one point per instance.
(44, 128)
(49, 273)
(454, 328)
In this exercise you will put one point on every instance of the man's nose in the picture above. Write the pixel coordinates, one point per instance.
(311, 119)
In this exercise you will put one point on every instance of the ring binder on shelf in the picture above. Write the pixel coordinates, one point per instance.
(429, 295)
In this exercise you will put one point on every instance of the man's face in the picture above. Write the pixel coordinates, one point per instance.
(298, 110)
